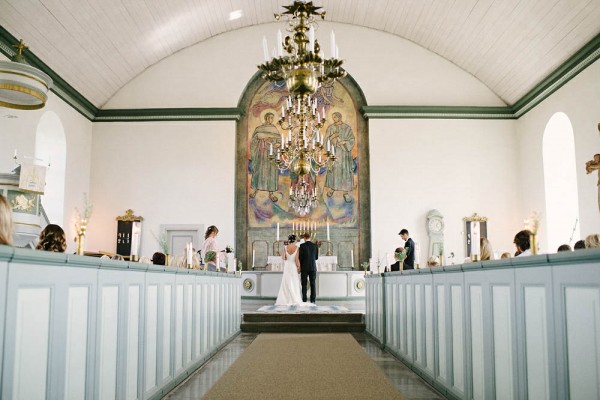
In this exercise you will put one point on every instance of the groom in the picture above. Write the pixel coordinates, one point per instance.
(309, 253)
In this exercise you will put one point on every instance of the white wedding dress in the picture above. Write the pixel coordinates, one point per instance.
(290, 289)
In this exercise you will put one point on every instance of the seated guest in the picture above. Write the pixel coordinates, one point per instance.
(6, 223)
(592, 241)
(145, 260)
(211, 260)
(504, 255)
(433, 261)
(486, 249)
(563, 247)
(523, 243)
(158, 258)
(52, 238)
(399, 256)
(580, 244)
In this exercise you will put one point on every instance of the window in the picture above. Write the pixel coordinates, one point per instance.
(560, 182)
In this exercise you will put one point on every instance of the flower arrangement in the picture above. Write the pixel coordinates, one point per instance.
(228, 249)
(210, 256)
(239, 266)
(163, 243)
(365, 266)
(532, 223)
(319, 243)
(81, 222)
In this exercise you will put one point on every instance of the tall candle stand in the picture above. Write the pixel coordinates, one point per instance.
(328, 247)
(276, 247)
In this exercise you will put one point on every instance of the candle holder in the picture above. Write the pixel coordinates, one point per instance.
(276, 247)
(328, 253)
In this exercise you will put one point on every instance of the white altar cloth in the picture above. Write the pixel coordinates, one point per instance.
(324, 263)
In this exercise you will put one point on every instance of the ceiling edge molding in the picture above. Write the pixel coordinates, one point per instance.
(168, 114)
(579, 61)
(583, 58)
(60, 87)
(444, 112)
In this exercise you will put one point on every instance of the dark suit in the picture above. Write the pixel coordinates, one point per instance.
(409, 261)
(309, 253)
(395, 266)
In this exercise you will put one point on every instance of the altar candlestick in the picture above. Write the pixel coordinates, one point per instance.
(265, 48)
(270, 149)
(253, 251)
(278, 231)
(352, 258)
(328, 237)
(387, 262)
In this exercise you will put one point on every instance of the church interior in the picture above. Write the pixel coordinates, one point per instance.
(454, 120)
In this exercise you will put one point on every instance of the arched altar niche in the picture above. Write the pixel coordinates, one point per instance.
(262, 192)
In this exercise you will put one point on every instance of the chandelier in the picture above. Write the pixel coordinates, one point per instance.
(303, 69)
(303, 198)
(22, 86)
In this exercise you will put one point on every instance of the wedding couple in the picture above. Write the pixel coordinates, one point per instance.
(298, 260)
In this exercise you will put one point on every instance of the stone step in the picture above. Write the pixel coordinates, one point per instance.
(302, 327)
(258, 317)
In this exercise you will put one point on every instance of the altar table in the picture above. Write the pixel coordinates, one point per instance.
(324, 263)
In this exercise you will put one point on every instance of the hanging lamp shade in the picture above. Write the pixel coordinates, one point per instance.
(22, 86)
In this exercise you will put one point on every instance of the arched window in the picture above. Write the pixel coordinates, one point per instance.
(51, 148)
(560, 182)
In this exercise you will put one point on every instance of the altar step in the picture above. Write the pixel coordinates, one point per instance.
(302, 323)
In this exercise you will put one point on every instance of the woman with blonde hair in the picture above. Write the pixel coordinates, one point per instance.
(486, 249)
(52, 238)
(592, 241)
(6, 222)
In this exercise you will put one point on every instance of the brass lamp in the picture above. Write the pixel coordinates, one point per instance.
(303, 69)
(22, 86)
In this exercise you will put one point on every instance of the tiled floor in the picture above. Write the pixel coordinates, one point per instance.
(409, 384)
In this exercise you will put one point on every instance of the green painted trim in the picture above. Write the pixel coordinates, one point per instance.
(436, 112)
(60, 87)
(582, 59)
(168, 114)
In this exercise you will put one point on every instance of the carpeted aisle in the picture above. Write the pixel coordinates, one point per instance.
(304, 366)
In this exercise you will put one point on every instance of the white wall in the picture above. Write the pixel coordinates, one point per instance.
(580, 101)
(17, 131)
(458, 167)
(389, 69)
(167, 172)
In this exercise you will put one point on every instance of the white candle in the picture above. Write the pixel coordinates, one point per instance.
(278, 231)
(265, 49)
(279, 43)
(332, 43)
(352, 258)
(15, 156)
(293, 223)
(270, 149)
(387, 262)
(328, 237)
(282, 111)
(189, 253)
(253, 258)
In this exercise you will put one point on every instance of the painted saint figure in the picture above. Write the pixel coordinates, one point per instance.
(339, 174)
(264, 172)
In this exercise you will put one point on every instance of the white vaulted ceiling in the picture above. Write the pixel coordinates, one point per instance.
(98, 46)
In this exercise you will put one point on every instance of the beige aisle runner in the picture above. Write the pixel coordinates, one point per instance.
(304, 366)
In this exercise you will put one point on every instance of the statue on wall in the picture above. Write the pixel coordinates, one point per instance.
(264, 140)
(340, 174)
(591, 166)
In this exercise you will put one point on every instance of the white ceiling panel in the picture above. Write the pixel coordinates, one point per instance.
(99, 46)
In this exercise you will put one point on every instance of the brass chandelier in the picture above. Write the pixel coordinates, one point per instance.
(304, 69)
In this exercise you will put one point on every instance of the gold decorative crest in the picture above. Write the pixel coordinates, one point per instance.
(129, 216)
(359, 285)
(475, 217)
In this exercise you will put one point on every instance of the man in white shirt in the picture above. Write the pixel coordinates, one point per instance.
(523, 243)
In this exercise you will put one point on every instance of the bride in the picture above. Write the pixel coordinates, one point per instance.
(289, 292)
